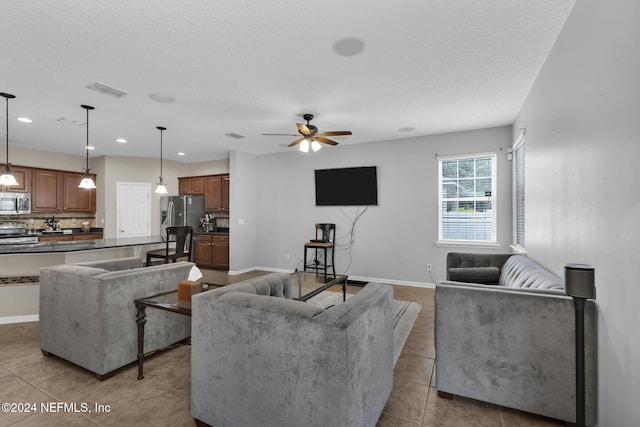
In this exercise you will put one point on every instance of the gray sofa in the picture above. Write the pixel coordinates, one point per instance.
(510, 339)
(87, 315)
(260, 358)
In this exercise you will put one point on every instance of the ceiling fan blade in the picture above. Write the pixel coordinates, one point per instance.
(296, 142)
(281, 134)
(303, 129)
(325, 140)
(335, 133)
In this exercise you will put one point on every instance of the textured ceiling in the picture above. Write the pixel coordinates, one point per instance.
(253, 67)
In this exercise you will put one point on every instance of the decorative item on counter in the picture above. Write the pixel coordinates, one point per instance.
(86, 227)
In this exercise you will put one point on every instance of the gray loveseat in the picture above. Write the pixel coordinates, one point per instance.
(87, 315)
(509, 338)
(259, 358)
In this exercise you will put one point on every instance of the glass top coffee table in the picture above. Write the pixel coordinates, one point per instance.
(305, 286)
(309, 284)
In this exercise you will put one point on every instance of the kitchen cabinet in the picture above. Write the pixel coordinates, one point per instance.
(77, 199)
(216, 193)
(86, 236)
(187, 186)
(56, 238)
(46, 191)
(57, 191)
(211, 250)
(23, 176)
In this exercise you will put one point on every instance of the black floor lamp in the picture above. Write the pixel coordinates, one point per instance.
(580, 284)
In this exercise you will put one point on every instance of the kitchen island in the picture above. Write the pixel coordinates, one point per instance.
(20, 267)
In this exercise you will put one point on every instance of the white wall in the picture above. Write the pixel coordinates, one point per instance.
(394, 240)
(582, 190)
(243, 211)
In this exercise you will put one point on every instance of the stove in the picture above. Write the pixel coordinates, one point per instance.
(15, 232)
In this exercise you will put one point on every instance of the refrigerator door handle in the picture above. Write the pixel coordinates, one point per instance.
(169, 220)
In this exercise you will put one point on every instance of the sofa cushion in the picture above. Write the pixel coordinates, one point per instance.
(483, 275)
(521, 272)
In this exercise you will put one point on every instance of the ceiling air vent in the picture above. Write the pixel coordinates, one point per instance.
(234, 135)
(107, 90)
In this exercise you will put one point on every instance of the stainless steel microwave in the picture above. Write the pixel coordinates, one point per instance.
(15, 203)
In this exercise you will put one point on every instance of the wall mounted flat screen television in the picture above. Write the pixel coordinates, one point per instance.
(357, 186)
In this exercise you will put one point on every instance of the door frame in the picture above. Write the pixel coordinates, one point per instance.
(119, 184)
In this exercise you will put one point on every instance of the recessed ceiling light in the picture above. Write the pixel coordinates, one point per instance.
(348, 46)
(181, 154)
(234, 135)
(165, 99)
(121, 140)
(24, 119)
(407, 129)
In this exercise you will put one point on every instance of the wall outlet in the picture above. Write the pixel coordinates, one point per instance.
(429, 267)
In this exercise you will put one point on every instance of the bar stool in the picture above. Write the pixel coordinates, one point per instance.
(183, 236)
(325, 235)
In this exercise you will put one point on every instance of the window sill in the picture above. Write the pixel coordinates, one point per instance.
(518, 249)
(451, 244)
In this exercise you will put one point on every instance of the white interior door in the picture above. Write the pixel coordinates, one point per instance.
(134, 213)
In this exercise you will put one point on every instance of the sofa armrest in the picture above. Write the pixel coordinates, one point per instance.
(512, 347)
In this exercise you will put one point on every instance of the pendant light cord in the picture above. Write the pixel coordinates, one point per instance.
(7, 116)
(87, 147)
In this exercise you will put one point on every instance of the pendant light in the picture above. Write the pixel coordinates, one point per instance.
(87, 181)
(161, 188)
(7, 178)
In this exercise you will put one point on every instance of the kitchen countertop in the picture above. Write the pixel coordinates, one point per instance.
(78, 245)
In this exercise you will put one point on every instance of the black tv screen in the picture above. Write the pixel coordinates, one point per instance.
(347, 186)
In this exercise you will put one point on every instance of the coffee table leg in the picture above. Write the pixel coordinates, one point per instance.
(141, 319)
(344, 290)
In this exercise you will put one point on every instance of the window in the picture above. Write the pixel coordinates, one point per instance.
(467, 198)
(518, 192)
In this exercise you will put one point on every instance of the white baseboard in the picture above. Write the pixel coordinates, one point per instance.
(19, 319)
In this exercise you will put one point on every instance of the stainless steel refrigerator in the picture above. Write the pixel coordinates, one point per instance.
(180, 210)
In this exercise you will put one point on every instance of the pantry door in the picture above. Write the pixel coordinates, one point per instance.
(134, 214)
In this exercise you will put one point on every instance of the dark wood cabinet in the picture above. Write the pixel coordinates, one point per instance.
(188, 186)
(57, 191)
(23, 176)
(56, 238)
(216, 193)
(87, 236)
(46, 192)
(211, 250)
(77, 199)
(68, 237)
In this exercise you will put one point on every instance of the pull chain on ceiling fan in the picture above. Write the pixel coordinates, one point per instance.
(310, 135)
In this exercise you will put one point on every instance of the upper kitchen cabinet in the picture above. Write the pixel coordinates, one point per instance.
(57, 191)
(23, 176)
(193, 185)
(77, 199)
(216, 193)
(46, 191)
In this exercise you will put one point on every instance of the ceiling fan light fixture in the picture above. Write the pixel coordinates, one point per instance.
(87, 181)
(7, 178)
(304, 146)
(315, 145)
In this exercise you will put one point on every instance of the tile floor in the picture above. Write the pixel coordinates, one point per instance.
(162, 398)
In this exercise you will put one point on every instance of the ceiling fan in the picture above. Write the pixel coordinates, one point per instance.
(310, 135)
